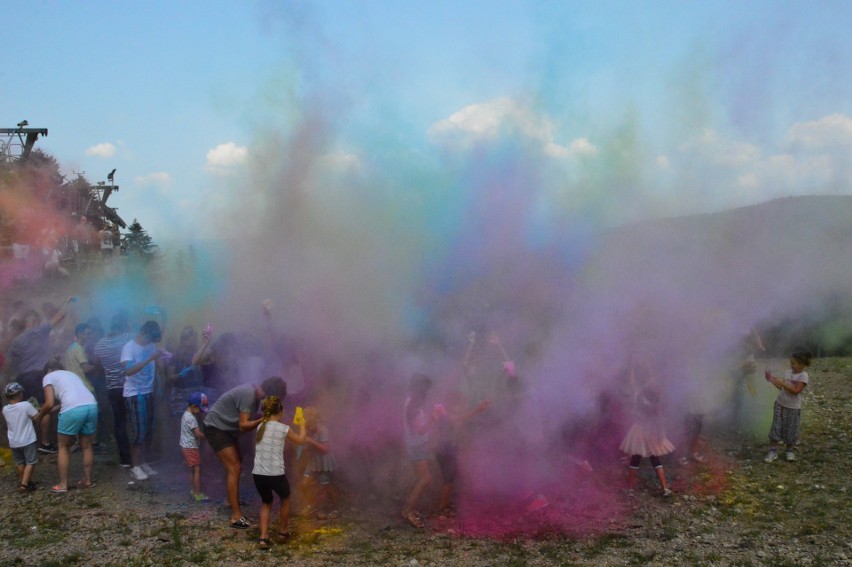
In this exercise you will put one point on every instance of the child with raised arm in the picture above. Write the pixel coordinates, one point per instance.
(22, 436)
(320, 466)
(447, 430)
(269, 476)
(190, 439)
(417, 425)
(646, 437)
(787, 412)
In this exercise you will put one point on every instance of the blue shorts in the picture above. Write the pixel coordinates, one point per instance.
(82, 420)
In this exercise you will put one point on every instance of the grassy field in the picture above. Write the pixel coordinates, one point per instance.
(733, 510)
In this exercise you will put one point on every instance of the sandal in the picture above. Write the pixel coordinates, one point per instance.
(284, 537)
(241, 524)
(83, 485)
(58, 489)
(414, 520)
(22, 488)
(263, 543)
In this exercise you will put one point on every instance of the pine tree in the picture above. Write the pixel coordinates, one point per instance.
(137, 242)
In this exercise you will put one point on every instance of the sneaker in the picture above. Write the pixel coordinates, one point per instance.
(138, 474)
(75, 447)
(667, 492)
(790, 457)
(771, 456)
(125, 465)
(48, 449)
(148, 470)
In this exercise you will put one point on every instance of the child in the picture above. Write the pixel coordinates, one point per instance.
(787, 412)
(646, 437)
(448, 425)
(416, 428)
(190, 436)
(268, 470)
(320, 465)
(22, 436)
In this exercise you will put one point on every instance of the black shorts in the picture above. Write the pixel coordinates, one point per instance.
(266, 485)
(448, 464)
(32, 383)
(219, 439)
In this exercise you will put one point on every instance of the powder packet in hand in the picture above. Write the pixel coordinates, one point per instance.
(299, 417)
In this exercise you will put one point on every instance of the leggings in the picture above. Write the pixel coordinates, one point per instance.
(636, 459)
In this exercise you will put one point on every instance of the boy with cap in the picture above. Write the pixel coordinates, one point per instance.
(190, 436)
(22, 436)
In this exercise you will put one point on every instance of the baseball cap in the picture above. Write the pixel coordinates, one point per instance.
(12, 389)
(198, 399)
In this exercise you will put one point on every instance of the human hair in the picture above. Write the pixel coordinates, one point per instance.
(271, 406)
(151, 330)
(802, 356)
(420, 385)
(80, 329)
(275, 386)
(17, 325)
(53, 364)
(118, 323)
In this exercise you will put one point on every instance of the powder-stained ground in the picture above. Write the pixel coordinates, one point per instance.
(733, 510)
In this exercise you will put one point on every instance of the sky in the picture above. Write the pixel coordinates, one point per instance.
(702, 105)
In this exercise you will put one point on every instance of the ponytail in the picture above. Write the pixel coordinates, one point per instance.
(271, 406)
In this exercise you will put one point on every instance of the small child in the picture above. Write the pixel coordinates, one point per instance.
(268, 473)
(787, 412)
(646, 437)
(320, 466)
(22, 436)
(190, 437)
(447, 432)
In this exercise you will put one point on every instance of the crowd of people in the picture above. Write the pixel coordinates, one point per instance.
(76, 386)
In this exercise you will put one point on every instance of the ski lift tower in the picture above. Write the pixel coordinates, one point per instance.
(17, 143)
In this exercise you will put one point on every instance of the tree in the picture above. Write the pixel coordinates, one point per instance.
(137, 242)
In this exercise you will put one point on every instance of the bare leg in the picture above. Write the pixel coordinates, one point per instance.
(88, 458)
(265, 513)
(424, 480)
(63, 458)
(284, 516)
(26, 474)
(196, 479)
(231, 460)
(661, 475)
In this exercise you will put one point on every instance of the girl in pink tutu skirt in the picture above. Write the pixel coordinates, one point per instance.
(646, 437)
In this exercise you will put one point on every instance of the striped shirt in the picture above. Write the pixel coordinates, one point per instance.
(108, 350)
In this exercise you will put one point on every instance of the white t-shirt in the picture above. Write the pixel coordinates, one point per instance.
(788, 400)
(143, 381)
(69, 389)
(19, 422)
(269, 453)
(188, 422)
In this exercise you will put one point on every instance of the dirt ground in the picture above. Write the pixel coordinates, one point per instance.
(733, 510)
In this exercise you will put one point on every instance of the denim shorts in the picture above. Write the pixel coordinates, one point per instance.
(26, 455)
(82, 420)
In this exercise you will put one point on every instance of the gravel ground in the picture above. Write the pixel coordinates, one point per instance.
(732, 510)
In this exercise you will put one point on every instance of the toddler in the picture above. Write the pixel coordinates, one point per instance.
(787, 412)
(22, 436)
(190, 437)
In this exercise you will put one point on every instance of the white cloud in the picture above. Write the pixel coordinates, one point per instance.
(104, 150)
(489, 120)
(159, 179)
(828, 132)
(663, 162)
(225, 158)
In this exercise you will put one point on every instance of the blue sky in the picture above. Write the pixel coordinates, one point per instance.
(719, 104)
